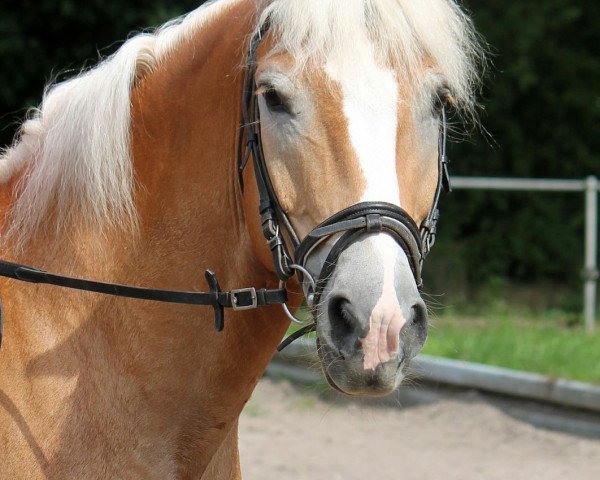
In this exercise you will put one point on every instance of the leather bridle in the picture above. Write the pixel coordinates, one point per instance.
(343, 228)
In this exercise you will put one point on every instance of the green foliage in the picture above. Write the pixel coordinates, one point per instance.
(46, 40)
(542, 110)
(541, 107)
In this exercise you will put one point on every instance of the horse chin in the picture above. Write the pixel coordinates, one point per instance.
(348, 375)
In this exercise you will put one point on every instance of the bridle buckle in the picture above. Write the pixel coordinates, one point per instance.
(240, 296)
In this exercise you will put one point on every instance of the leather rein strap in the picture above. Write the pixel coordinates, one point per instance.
(240, 299)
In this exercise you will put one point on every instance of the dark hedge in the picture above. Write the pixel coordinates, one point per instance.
(47, 40)
(541, 107)
(542, 110)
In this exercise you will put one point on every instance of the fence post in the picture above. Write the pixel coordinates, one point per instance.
(590, 272)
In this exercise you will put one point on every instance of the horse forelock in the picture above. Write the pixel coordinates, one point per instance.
(401, 33)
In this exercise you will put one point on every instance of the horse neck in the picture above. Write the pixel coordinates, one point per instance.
(185, 124)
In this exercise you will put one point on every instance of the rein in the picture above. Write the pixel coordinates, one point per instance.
(240, 299)
(348, 225)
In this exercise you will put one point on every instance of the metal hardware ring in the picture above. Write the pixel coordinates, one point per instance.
(309, 298)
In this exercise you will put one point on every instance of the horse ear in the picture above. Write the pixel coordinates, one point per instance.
(22, 152)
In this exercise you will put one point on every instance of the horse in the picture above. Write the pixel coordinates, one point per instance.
(221, 141)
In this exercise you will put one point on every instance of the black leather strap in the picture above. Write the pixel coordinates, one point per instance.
(237, 299)
(271, 213)
(296, 335)
(240, 299)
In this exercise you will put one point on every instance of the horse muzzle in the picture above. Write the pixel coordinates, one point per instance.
(371, 318)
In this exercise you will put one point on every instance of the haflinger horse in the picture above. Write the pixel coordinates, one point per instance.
(275, 142)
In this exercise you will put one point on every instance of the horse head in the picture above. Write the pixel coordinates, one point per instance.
(349, 111)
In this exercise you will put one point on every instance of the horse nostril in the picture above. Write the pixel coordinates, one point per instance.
(419, 321)
(342, 321)
(419, 313)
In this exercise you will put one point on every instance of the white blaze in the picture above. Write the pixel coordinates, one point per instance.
(370, 96)
(370, 99)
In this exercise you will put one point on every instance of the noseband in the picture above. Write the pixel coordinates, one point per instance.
(342, 228)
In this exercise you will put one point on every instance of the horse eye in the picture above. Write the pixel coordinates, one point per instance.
(274, 101)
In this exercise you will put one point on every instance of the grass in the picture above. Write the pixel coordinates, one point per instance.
(541, 344)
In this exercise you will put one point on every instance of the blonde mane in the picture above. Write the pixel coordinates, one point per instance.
(75, 148)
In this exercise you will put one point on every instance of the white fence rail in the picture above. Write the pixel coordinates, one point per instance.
(589, 187)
